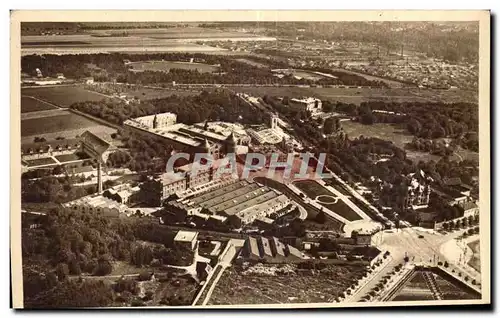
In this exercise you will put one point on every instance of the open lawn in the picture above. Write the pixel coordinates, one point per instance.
(300, 286)
(358, 95)
(327, 199)
(62, 96)
(312, 189)
(54, 124)
(29, 104)
(399, 136)
(475, 261)
(165, 66)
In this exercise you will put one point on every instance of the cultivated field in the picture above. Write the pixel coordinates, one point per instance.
(298, 286)
(29, 104)
(68, 121)
(475, 261)
(166, 66)
(62, 96)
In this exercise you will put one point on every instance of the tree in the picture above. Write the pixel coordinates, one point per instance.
(104, 267)
(329, 126)
(62, 271)
(74, 267)
(320, 217)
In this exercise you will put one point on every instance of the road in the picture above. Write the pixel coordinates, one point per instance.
(406, 242)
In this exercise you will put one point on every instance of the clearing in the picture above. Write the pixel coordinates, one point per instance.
(51, 124)
(166, 66)
(400, 137)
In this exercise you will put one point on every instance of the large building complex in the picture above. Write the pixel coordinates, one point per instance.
(200, 138)
(246, 200)
(157, 189)
(310, 104)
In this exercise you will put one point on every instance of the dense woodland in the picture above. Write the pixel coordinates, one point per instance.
(109, 67)
(459, 121)
(68, 244)
(215, 105)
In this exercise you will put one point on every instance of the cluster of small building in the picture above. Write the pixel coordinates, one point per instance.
(453, 191)
(215, 138)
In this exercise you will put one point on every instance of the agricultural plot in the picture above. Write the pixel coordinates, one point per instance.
(41, 162)
(166, 66)
(54, 124)
(30, 104)
(298, 286)
(475, 261)
(71, 157)
(327, 199)
(63, 96)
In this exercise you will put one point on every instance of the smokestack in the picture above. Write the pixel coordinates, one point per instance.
(99, 178)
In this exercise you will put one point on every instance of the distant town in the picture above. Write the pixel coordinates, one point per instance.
(315, 162)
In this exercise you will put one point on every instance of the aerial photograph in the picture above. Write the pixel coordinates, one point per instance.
(220, 164)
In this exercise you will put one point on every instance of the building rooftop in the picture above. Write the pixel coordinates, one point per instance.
(96, 201)
(185, 236)
(469, 205)
(265, 196)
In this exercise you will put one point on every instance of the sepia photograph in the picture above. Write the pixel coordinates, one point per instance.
(249, 159)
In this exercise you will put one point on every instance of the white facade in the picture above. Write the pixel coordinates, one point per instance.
(162, 120)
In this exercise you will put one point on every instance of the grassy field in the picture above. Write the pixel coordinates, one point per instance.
(302, 286)
(313, 189)
(54, 124)
(29, 104)
(358, 95)
(475, 261)
(62, 96)
(165, 66)
(140, 92)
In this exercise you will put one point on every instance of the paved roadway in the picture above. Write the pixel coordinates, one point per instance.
(406, 242)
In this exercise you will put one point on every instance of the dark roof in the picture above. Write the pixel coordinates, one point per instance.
(98, 144)
(469, 205)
